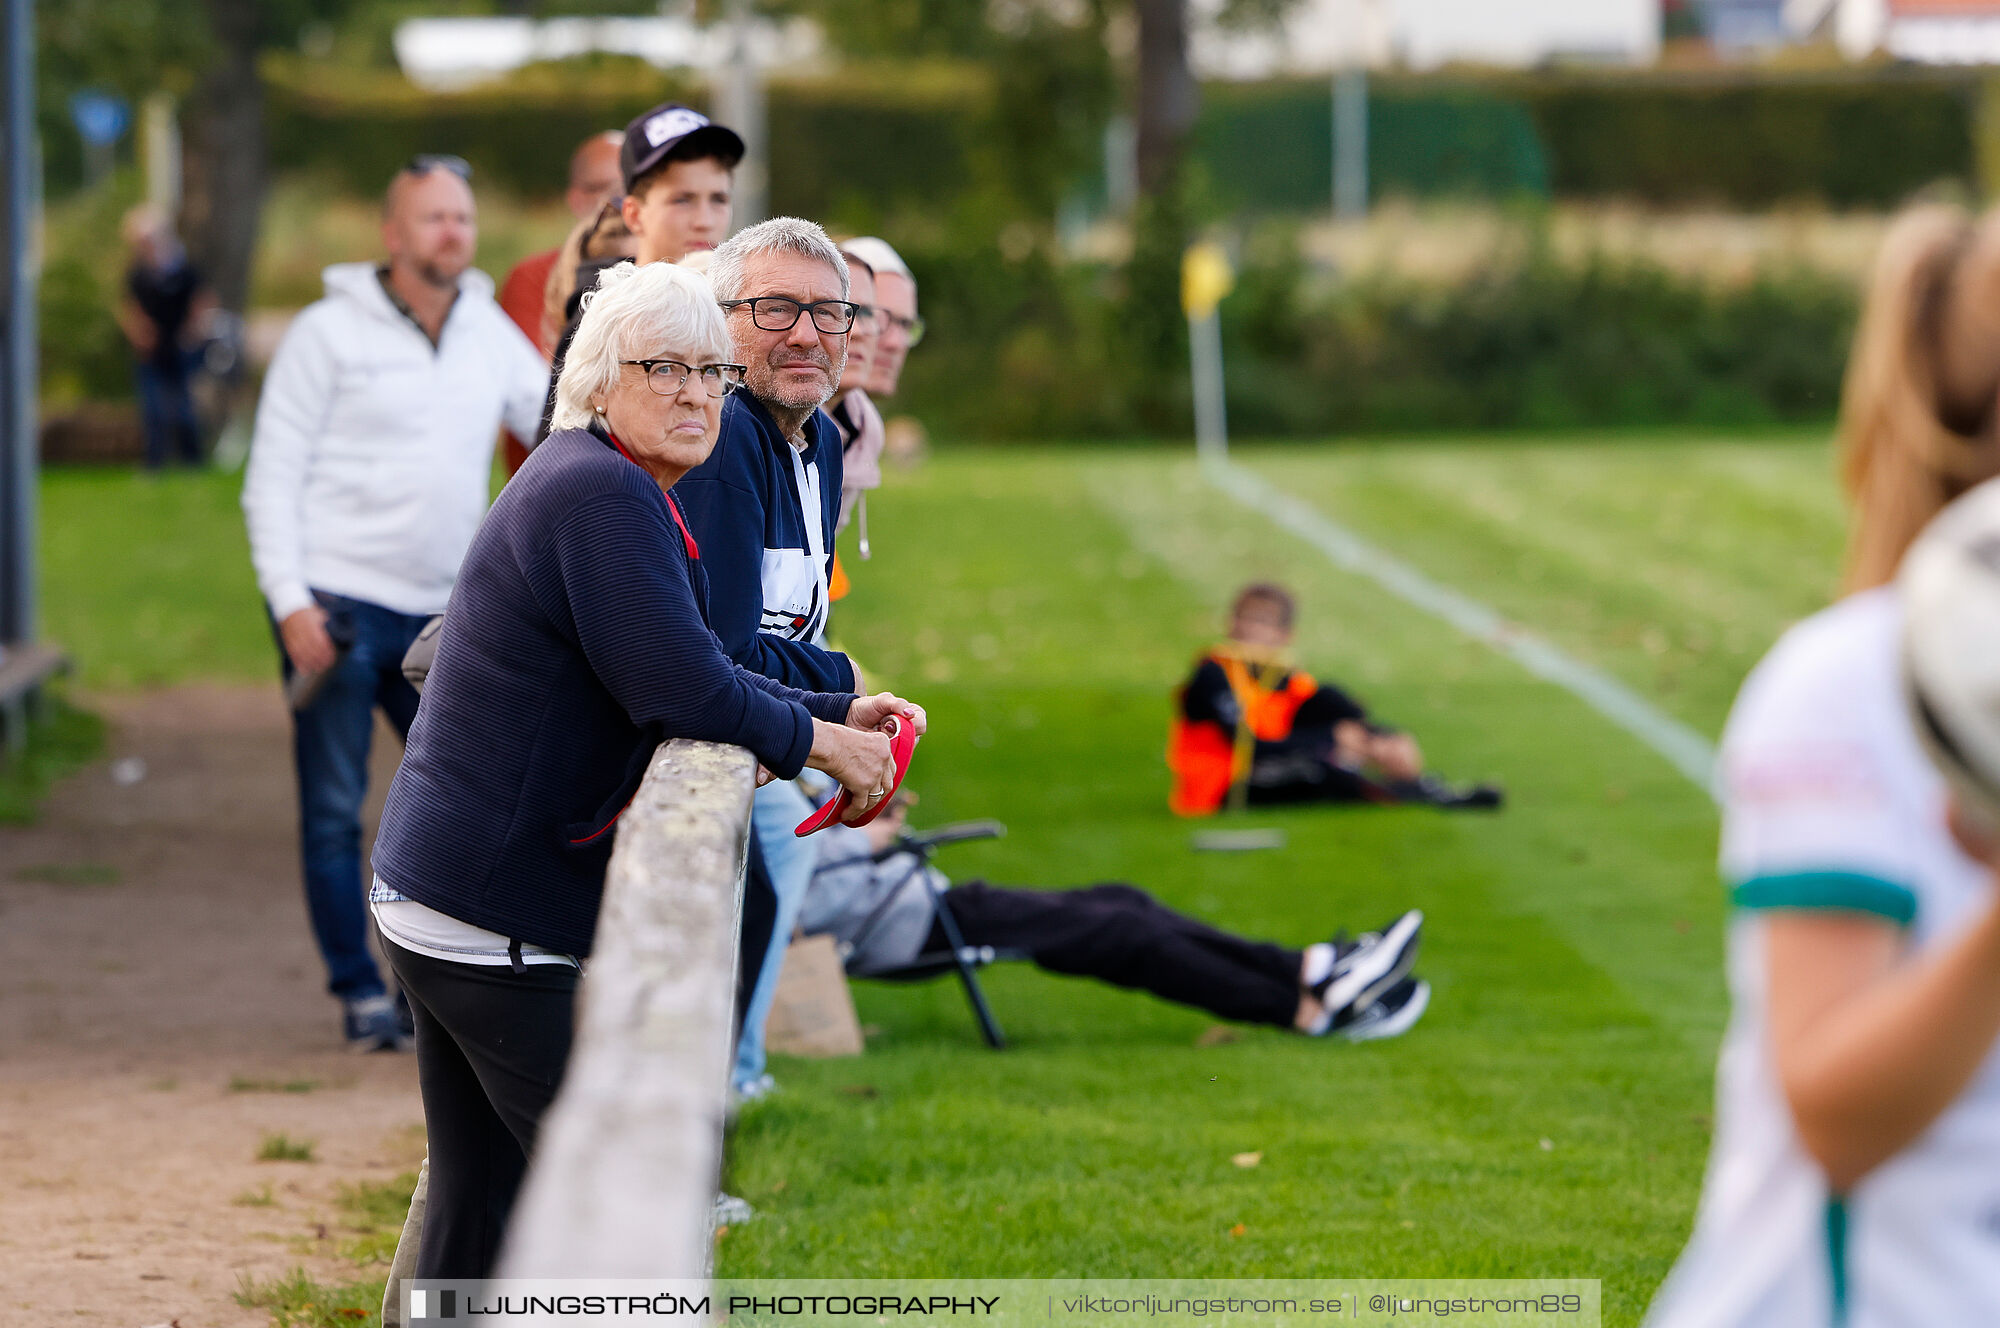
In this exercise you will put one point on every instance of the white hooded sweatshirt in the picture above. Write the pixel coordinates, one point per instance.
(370, 464)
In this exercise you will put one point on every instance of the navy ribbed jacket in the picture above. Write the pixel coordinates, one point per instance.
(743, 505)
(577, 640)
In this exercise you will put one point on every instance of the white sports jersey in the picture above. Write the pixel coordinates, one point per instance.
(1829, 803)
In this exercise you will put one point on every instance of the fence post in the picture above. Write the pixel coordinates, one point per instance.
(625, 1168)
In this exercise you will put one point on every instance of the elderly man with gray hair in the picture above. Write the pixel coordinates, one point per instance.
(764, 507)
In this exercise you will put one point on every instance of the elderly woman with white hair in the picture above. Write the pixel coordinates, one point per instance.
(577, 641)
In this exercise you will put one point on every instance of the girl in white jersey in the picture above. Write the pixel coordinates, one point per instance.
(1855, 1172)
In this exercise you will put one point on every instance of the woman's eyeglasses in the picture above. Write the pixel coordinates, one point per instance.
(778, 313)
(668, 377)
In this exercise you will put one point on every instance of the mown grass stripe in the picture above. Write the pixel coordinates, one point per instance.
(1682, 748)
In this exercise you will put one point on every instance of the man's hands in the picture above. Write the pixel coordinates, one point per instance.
(857, 753)
(868, 712)
(306, 640)
(859, 760)
(138, 328)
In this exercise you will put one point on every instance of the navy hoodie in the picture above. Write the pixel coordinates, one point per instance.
(767, 569)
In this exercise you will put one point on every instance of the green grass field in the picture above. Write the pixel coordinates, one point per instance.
(1550, 1115)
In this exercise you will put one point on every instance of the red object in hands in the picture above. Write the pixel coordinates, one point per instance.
(902, 745)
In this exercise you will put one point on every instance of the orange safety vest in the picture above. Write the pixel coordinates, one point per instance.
(1210, 759)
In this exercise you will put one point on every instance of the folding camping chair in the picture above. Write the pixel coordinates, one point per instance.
(965, 960)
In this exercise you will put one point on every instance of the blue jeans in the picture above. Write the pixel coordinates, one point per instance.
(330, 741)
(167, 411)
(789, 861)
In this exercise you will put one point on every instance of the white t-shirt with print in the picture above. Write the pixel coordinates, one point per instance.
(796, 596)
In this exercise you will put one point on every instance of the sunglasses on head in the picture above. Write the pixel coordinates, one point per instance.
(426, 162)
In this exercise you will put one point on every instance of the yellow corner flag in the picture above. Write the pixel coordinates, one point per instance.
(1205, 278)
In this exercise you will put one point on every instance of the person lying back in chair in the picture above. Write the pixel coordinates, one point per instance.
(874, 893)
(1252, 730)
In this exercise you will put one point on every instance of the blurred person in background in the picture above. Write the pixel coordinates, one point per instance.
(368, 474)
(898, 329)
(1253, 730)
(165, 303)
(880, 902)
(593, 179)
(1854, 1176)
(599, 241)
(763, 508)
(860, 424)
(577, 644)
(678, 169)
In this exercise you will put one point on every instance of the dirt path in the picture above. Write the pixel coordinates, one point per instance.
(159, 988)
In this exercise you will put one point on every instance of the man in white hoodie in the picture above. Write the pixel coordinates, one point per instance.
(369, 472)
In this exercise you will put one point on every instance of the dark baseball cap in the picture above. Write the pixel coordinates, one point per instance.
(677, 131)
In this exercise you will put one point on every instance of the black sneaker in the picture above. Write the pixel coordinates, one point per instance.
(1366, 967)
(1395, 1013)
(370, 1025)
(1472, 797)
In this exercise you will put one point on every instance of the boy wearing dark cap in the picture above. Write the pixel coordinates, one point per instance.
(680, 173)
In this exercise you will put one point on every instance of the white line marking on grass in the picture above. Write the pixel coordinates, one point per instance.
(1683, 748)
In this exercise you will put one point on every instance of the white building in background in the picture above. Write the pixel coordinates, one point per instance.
(1743, 26)
(1936, 32)
(1321, 35)
(442, 54)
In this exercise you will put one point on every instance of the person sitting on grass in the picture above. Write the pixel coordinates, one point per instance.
(1252, 730)
(880, 906)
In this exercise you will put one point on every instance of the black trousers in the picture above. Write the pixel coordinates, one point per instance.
(1277, 779)
(1120, 934)
(491, 1046)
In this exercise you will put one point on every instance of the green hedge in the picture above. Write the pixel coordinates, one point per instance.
(355, 131)
(858, 144)
(1030, 349)
(83, 355)
(874, 143)
(1543, 345)
(1268, 147)
(1849, 141)
(1861, 139)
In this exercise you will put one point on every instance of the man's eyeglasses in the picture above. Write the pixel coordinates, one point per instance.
(778, 313)
(668, 377)
(913, 328)
(426, 162)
